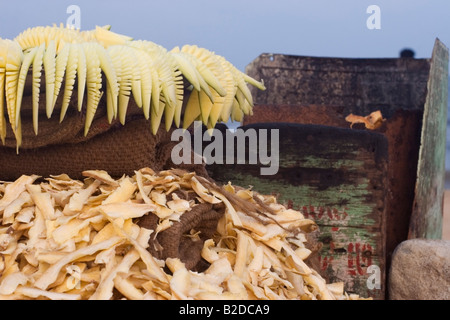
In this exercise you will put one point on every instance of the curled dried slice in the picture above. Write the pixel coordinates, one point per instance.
(202, 192)
(12, 281)
(102, 176)
(126, 210)
(104, 290)
(14, 189)
(36, 293)
(372, 121)
(122, 193)
(51, 274)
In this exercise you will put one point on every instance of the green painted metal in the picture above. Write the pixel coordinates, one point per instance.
(426, 217)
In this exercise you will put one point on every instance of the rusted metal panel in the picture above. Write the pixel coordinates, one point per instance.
(325, 90)
(336, 176)
(426, 218)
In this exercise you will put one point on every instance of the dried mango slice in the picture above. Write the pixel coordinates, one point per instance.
(372, 121)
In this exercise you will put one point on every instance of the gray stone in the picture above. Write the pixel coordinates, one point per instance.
(420, 270)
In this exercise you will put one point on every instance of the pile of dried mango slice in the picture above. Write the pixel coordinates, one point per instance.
(69, 239)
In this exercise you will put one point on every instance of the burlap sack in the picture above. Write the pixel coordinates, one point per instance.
(177, 242)
(63, 148)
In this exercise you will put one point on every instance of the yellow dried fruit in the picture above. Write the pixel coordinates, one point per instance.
(153, 75)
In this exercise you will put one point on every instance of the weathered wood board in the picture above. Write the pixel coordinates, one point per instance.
(426, 217)
(337, 177)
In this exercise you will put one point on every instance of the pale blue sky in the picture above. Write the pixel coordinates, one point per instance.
(240, 30)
